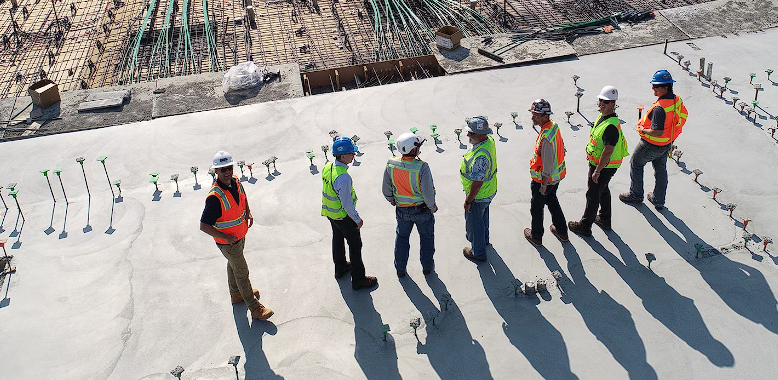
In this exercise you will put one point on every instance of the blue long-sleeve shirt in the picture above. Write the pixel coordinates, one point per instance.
(342, 186)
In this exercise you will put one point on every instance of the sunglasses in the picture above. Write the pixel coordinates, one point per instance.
(658, 85)
(603, 101)
(225, 169)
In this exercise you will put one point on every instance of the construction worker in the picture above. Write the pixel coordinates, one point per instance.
(605, 151)
(338, 204)
(478, 173)
(408, 186)
(227, 218)
(658, 129)
(547, 168)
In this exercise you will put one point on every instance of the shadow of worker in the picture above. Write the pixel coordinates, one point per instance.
(675, 311)
(376, 358)
(742, 287)
(525, 327)
(449, 346)
(609, 321)
(250, 333)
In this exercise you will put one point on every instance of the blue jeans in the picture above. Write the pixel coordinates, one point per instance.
(657, 155)
(477, 227)
(425, 225)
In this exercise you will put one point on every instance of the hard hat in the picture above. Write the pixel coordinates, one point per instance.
(407, 141)
(344, 145)
(542, 107)
(222, 159)
(609, 93)
(479, 125)
(662, 77)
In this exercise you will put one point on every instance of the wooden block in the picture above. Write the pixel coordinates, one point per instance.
(100, 104)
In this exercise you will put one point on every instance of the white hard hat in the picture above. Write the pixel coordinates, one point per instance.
(407, 141)
(609, 93)
(222, 159)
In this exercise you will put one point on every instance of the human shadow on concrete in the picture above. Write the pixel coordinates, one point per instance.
(742, 287)
(609, 321)
(524, 326)
(250, 333)
(449, 346)
(675, 311)
(376, 358)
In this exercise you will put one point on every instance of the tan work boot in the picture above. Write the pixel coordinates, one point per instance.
(262, 312)
(236, 298)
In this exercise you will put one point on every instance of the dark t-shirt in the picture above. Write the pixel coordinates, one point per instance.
(611, 134)
(658, 115)
(213, 207)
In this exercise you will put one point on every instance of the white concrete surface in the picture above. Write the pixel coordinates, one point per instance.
(152, 295)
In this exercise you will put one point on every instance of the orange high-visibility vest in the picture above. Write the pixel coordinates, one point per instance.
(233, 220)
(406, 181)
(675, 118)
(554, 136)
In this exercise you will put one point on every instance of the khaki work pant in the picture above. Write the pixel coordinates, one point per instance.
(238, 272)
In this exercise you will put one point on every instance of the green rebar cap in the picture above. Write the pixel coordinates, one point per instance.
(310, 155)
(102, 158)
(390, 142)
(14, 192)
(385, 328)
(45, 172)
(57, 171)
(117, 183)
(414, 130)
(433, 127)
(435, 136)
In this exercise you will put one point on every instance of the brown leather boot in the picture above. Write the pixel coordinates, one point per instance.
(237, 298)
(262, 313)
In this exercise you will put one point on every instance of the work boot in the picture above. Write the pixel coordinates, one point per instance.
(605, 226)
(237, 298)
(650, 197)
(339, 274)
(627, 198)
(367, 282)
(528, 235)
(262, 313)
(558, 236)
(579, 228)
(468, 252)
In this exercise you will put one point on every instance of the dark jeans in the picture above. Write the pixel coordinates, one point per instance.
(477, 227)
(347, 229)
(657, 156)
(598, 196)
(536, 210)
(425, 224)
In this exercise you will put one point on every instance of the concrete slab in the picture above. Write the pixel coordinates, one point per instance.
(466, 58)
(130, 289)
(629, 35)
(722, 17)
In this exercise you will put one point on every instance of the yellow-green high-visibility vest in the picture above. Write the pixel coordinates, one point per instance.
(595, 146)
(331, 206)
(489, 187)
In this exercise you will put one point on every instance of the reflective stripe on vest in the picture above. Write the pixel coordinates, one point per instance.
(675, 118)
(489, 187)
(554, 137)
(331, 206)
(406, 181)
(596, 146)
(233, 218)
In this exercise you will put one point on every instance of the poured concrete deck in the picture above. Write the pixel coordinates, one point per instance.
(135, 298)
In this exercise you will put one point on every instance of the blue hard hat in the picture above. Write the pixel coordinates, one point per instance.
(662, 77)
(344, 145)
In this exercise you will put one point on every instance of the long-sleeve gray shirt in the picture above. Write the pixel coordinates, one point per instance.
(342, 186)
(427, 186)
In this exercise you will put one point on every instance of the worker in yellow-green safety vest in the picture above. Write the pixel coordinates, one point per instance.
(658, 129)
(605, 151)
(338, 204)
(408, 186)
(547, 168)
(478, 173)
